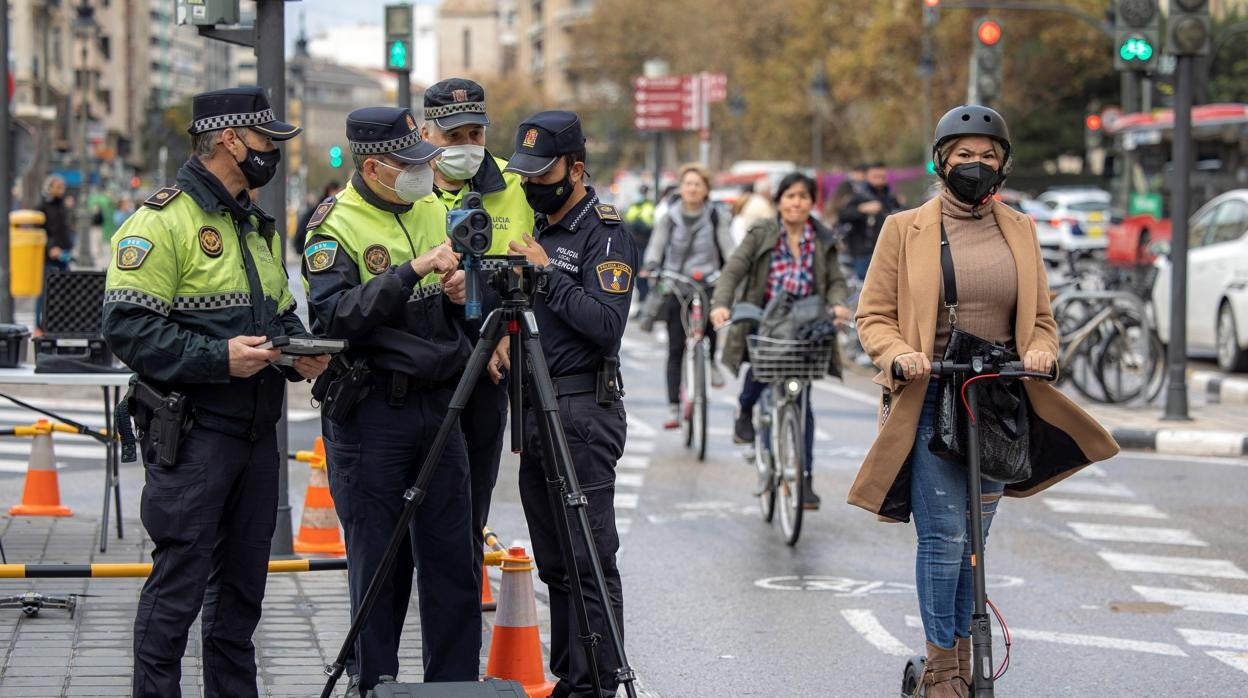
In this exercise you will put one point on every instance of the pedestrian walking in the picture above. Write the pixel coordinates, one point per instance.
(865, 213)
(60, 246)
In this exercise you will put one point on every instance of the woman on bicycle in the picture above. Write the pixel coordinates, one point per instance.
(1002, 297)
(692, 239)
(792, 253)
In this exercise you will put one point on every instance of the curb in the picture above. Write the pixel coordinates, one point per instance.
(1183, 442)
(1219, 387)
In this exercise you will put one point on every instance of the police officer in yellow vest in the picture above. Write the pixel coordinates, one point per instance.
(196, 283)
(374, 258)
(455, 120)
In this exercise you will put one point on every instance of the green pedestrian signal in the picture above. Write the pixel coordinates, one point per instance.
(397, 56)
(931, 167)
(1136, 48)
(335, 156)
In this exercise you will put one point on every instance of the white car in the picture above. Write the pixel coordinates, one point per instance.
(1217, 283)
(1073, 220)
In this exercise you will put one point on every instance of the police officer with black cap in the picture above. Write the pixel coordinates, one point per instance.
(196, 286)
(375, 260)
(455, 120)
(581, 309)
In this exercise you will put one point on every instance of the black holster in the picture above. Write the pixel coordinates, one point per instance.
(340, 388)
(162, 418)
(609, 387)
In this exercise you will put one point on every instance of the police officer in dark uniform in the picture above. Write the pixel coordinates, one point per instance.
(196, 284)
(581, 310)
(375, 258)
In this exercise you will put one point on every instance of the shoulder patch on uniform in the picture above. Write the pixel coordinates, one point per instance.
(321, 255)
(322, 210)
(131, 252)
(607, 212)
(210, 241)
(162, 197)
(615, 277)
(377, 258)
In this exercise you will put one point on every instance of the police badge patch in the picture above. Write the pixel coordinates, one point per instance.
(615, 277)
(377, 259)
(210, 241)
(321, 255)
(131, 252)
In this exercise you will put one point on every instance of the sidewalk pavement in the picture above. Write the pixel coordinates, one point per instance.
(52, 655)
(1218, 425)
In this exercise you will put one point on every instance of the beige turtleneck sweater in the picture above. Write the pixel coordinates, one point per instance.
(986, 276)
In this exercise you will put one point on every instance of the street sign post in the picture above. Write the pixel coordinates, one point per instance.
(679, 103)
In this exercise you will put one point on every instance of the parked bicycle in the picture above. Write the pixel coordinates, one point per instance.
(1109, 351)
(691, 293)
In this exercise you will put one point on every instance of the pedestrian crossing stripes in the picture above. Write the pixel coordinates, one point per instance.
(629, 479)
(1136, 534)
(1199, 601)
(1077, 506)
(1081, 640)
(1210, 638)
(1091, 487)
(1183, 566)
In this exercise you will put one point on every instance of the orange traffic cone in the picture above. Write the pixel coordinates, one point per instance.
(487, 595)
(42, 494)
(515, 647)
(318, 529)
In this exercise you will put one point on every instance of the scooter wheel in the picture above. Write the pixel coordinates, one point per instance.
(913, 675)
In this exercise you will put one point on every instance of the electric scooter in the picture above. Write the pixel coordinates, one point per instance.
(983, 673)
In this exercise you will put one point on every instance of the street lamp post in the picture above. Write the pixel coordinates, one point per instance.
(818, 97)
(84, 29)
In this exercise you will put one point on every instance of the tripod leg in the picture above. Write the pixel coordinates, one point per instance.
(564, 486)
(491, 333)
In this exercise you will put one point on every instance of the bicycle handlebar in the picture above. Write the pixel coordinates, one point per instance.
(982, 366)
(708, 280)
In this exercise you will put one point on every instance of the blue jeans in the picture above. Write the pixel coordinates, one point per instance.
(942, 566)
(752, 390)
(861, 263)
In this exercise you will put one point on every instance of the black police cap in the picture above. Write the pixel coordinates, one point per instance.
(238, 106)
(542, 138)
(388, 131)
(454, 102)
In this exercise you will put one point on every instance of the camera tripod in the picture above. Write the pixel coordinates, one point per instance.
(513, 278)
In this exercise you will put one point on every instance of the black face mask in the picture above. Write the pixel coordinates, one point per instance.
(259, 167)
(973, 182)
(548, 198)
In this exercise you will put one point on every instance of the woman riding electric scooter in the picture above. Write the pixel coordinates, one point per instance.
(907, 315)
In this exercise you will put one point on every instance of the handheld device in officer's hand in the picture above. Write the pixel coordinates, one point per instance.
(471, 231)
(305, 346)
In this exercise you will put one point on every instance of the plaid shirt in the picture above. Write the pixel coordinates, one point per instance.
(789, 275)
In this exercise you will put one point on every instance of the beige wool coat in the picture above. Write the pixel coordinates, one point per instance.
(897, 313)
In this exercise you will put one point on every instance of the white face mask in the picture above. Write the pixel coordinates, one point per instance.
(413, 183)
(461, 162)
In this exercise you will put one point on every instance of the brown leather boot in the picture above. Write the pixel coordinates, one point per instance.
(964, 662)
(940, 674)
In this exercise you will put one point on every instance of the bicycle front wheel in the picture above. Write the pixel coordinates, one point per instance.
(1130, 364)
(790, 446)
(764, 464)
(697, 417)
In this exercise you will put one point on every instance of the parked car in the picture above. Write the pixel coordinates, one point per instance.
(1073, 220)
(1217, 283)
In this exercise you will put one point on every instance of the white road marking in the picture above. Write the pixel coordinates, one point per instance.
(1079, 640)
(866, 624)
(1210, 638)
(635, 462)
(1075, 506)
(1201, 601)
(718, 431)
(644, 447)
(60, 450)
(821, 435)
(629, 479)
(626, 500)
(623, 525)
(19, 466)
(1209, 460)
(1137, 534)
(302, 415)
(1091, 487)
(1183, 442)
(1094, 471)
(849, 393)
(636, 427)
(1162, 564)
(1235, 660)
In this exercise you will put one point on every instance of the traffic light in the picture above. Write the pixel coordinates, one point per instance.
(1137, 36)
(986, 62)
(335, 156)
(1190, 31)
(1093, 131)
(398, 38)
(931, 13)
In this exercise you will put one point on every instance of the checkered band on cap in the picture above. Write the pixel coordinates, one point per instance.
(216, 123)
(383, 147)
(449, 109)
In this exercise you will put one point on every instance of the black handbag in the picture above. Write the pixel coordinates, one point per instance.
(1003, 410)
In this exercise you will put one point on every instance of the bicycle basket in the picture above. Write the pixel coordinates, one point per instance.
(775, 360)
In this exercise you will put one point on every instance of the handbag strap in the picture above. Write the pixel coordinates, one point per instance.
(946, 270)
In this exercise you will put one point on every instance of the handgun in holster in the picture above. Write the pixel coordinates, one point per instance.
(609, 387)
(162, 417)
(341, 388)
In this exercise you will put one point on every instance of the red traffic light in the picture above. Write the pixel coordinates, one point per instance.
(1093, 122)
(988, 32)
(932, 3)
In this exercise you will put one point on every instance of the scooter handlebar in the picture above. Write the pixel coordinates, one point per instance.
(1009, 369)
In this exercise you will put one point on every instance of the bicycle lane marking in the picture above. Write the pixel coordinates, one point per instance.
(868, 626)
(1080, 640)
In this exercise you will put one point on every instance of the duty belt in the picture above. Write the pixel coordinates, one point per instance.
(394, 386)
(575, 384)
